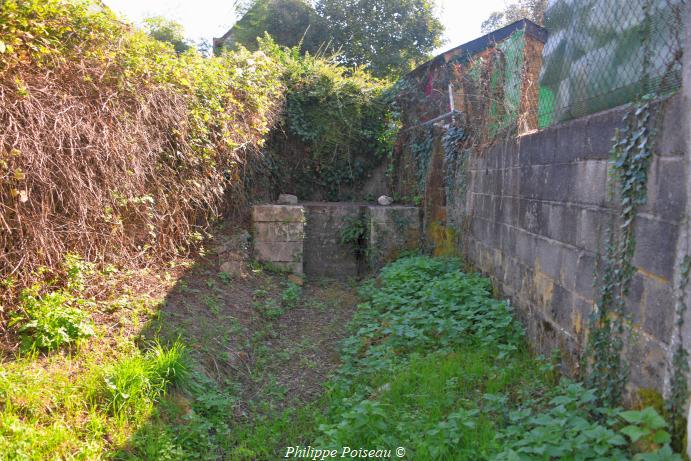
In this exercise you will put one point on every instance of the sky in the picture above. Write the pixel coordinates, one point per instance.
(205, 19)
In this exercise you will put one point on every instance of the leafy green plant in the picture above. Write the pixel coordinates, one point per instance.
(51, 320)
(572, 426)
(438, 366)
(291, 294)
(269, 309)
(353, 233)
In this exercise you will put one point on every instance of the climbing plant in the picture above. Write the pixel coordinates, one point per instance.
(421, 149)
(630, 156)
(676, 404)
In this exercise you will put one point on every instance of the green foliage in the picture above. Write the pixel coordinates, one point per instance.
(569, 425)
(290, 23)
(168, 31)
(437, 366)
(390, 37)
(291, 295)
(631, 157)
(528, 9)
(336, 125)
(354, 234)
(211, 117)
(51, 317)
(131, 386)
(51, 320)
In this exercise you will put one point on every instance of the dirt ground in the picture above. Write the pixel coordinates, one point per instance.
(275, 354)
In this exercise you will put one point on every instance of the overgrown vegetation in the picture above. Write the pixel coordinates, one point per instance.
(437, 366)
(115, 147)
(337, 125)
(164, 141)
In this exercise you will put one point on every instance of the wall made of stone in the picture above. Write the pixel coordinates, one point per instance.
(535, 214)
(278, 232)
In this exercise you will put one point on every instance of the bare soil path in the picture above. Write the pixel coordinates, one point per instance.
(252, 333)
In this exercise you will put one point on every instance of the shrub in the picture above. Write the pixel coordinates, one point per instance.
(143, 143)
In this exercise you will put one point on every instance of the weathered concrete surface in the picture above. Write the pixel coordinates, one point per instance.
(684, 247)
(536, 213)
(307, 238)
(392, 229)
(325, 255)
(279, 236)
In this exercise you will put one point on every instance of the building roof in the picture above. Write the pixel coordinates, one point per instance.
(482, 43)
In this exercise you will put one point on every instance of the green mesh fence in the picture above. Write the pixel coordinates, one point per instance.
(604, 53)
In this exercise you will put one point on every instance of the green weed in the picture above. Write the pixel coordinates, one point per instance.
(52, 320)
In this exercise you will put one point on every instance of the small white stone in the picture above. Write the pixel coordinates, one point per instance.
(287, 199)
(385, 200)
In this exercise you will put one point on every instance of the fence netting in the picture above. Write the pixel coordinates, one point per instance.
(604, 53)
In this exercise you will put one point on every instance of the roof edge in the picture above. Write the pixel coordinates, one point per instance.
(481, 43)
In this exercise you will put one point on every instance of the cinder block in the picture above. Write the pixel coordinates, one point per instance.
(636, 299)
(548, 258)
(278, 213)
(656, 243)
(646, 358)
(590, 186)
(590, 229)
(599, 133)
(659, 310)
(671, 141)
(667, 188)
(585, 276)
(561, 307)
(571, 140)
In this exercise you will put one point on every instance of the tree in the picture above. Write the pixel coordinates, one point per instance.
(289, 22)
(530, 9)
(388, 36)
(166, 30)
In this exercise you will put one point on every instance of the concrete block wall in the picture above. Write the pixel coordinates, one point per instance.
(392, 230)
(537, 211)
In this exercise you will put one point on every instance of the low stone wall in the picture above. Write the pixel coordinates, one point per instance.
(392, 230)
(325, 255)
(305, 238)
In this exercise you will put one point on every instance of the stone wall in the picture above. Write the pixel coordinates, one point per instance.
(278, 232)
(533, 213)
(305, 238)
(325, 255)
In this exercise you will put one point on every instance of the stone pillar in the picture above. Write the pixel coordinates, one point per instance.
(279, 232)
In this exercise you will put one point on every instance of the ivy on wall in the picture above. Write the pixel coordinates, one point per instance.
(630, 156)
